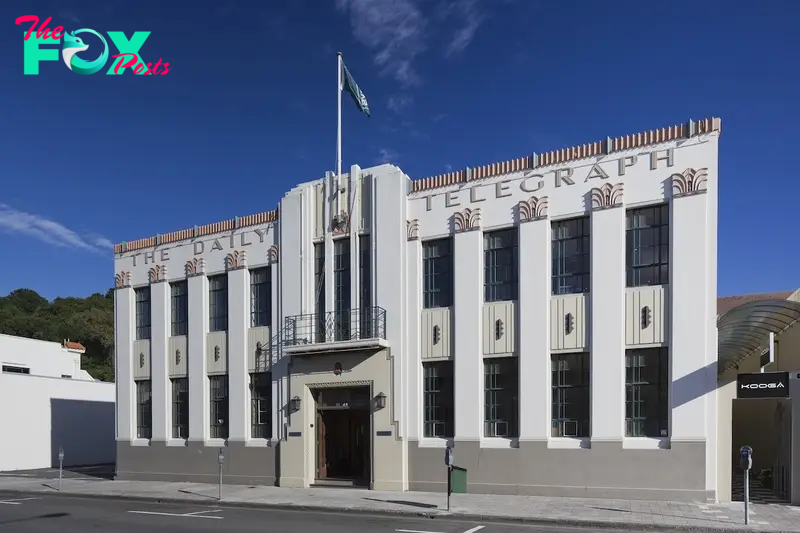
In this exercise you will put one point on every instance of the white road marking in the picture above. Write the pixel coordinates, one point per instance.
(179, 515)
(414, 531)
(18, 501)
(203, 512)
(474, 529)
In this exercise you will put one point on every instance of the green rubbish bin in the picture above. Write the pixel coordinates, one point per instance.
(458, 480)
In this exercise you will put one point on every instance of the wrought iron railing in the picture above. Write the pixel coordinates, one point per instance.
(363, 323)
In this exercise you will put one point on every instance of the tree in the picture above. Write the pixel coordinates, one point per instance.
(90, 321)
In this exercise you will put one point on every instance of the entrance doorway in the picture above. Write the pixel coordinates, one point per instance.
(343, 435)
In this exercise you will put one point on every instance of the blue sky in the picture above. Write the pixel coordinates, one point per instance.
(249, 110)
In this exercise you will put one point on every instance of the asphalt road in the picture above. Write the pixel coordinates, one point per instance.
(45, 513)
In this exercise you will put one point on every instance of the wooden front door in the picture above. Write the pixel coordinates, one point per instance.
(322, 458)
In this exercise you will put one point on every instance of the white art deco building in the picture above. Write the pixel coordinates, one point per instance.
(552, 318)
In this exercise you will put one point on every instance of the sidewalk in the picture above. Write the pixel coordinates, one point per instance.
(618, 514)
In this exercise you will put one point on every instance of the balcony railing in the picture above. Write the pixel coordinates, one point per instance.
(365, 323)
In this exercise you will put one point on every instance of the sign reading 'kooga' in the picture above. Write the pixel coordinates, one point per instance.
(762, 385)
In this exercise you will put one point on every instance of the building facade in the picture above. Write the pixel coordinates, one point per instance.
(552, 318)
(55, 403)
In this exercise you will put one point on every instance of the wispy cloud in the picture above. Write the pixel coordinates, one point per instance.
(399, 102)
(387, 155)
(394, 31)
(15, 222)
(397, 31)
(470, 19)
(69, 15)
(448, 167)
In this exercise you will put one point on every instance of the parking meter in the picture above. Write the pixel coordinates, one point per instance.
(746, 458)
(220, 460)
(448, 456)
(746, 463)
(60, 466)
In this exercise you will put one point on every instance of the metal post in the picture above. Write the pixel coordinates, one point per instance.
(221, 459)
(746, 463)
(448, 461)
(449, 487)
(746, 497)
(60, 466)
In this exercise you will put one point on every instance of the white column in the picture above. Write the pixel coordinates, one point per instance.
(277, 367)
(331, 195)
(414, 298)
(691, 378)
(608, 324)
(534, 329)
(468, 299)
(160, 324)
(354, 212)
(238, 376)
(198, 379)
(124, 318)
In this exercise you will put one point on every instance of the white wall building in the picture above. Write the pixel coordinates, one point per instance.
(50, 400)
(553, 318)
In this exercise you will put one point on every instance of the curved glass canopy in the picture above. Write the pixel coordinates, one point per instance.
(745, 329)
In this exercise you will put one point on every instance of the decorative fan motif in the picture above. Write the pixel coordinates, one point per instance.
(467, 220)
(236, 259)
(157, 273)
(607, 196)
(690, 182)
(273, 254)
(412, 229)
(195, 266)
(533, 209)
(122, 279)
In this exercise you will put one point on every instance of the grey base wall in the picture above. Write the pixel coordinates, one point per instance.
(196, 462)
(605, 470)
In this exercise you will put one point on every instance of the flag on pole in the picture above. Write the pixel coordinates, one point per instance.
(351, 87)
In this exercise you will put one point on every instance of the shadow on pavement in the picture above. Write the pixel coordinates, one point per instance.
(404, 502)
(184, 491)
(30, 518)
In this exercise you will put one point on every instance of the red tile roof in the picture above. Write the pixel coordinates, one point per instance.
(726, 303)
(74, 346)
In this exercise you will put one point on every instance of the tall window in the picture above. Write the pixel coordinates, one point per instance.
(647, 392)
(319, 288)
(501, 398)
(261, 405)
(500, 269)
(647, 246)
(439, 398)
(218, 303)
(260, 297)
(144, 410)
(570, 241)
(365, 292)
(437, 273)
(218, 386)
(341, 287)
(179, 303)
(180, 408)
(142, 312)
(571, 400)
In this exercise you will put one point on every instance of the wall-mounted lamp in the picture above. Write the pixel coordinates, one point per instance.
(499, 328)
(646, 317)
(177, 357)
(216, 353)
(141, 360)
(569, 323)
(380, 401)
(294, 404)
(437, 334)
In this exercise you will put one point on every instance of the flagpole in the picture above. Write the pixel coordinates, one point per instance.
(339, 120)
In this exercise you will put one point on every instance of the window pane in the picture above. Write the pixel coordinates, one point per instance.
(647, 246)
